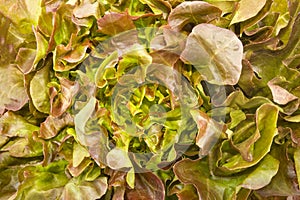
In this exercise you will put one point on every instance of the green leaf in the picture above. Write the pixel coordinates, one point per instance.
(39, 90)
(8, 182)
(23, 14)
(281, 7)
(238, 100)
(41, 49)
(262, 175)
(135, 57)
(236, 117)
(244, 137)
(284, 183)
(13, 125)
(9, 42)
(158, 6)
(42, 182)
(101, 77)
(297, 164)
(263, 60)
(188, 192)
(82, 118)
(226, 6)
(295, 118)
(209, 186)
(79, 153)
(130, 178)
(68, 57)
(63, 27)
(266, 120)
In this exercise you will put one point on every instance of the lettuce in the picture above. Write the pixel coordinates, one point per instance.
(149, 99)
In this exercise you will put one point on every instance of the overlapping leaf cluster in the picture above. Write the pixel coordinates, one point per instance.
(149, 99)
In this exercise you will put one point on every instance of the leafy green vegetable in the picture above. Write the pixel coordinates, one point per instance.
(149, 99)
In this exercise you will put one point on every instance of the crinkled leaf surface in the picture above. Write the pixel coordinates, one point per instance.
(266, 118)
(52, 125)
(196, 172)
(149, 99)
(85, 189)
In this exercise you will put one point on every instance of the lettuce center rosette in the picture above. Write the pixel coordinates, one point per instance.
(138, 102)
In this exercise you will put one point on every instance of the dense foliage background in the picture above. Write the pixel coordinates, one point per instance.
(149, 99)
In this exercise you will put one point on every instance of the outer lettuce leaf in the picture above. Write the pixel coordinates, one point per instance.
(52, 125)
(63, 27)
(283, 184)
(192, 13)
(39, 91)
(21, 28)
(159, 6)
(279, 93)
(95, 140)
(243, 12)
(215, 187)
(263, 60)
(209, 132)
(13, 125)
(61, 98)
(216, 53)
(266, 118)
(9, 182)
(15, 97)
(147, 186)
(79, 154)
(187, 192)
(88, 8)
(42, 182)
(21, 136)
(67, 57)
(76, 189)
(281, 7)
(22, 13)
(25, 59)
(8, 50)
(115, 23)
